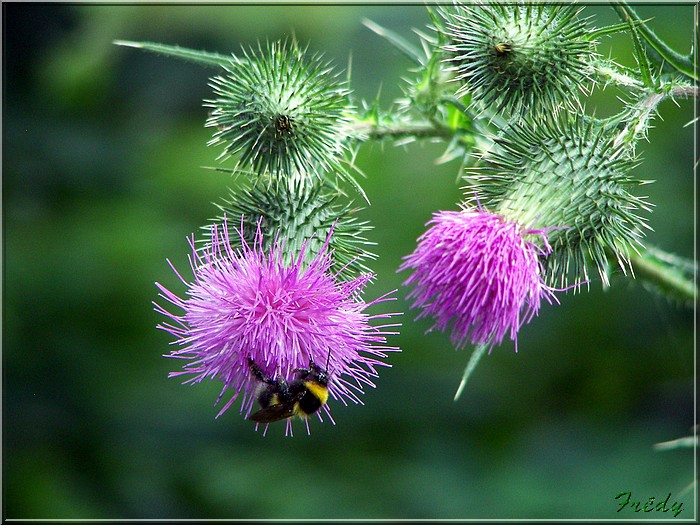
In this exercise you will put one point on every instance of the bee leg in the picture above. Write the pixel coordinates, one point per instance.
(258, 373)
(282, 388)
(308, 370)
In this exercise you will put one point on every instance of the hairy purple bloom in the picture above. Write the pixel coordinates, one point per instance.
(251, 303)
(476, 271)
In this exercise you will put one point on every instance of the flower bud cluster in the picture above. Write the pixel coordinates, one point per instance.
(275, 310)
(558, 182)
(549, 199)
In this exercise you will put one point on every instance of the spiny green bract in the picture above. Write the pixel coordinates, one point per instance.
(305, 213)
(280, 112)
(519, 58)
(569, 176)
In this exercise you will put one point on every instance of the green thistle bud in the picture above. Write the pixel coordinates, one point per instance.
(281, 113)
(569, 176)
(302, 214)
(519, 57)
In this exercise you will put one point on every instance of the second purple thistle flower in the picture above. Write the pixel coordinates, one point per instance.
(479, 274)
(250, 304)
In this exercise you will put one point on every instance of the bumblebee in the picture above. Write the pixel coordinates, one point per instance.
(280, 399)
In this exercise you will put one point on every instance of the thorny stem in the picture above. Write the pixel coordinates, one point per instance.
(422, 129)
(675, 92)
(647, 269)
(430, 128)
(648, 105)
(610, 74)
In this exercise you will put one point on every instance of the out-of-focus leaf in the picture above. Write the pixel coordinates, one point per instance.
(200, 57)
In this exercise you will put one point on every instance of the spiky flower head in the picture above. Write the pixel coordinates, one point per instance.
(569, 175)
(282, 112)
(303, 215)
(248, 304)
(519, 57)
(478, 274)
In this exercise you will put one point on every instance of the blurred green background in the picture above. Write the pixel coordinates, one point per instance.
(103, 148)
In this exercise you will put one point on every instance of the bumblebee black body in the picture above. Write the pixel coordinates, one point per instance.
(280, 399)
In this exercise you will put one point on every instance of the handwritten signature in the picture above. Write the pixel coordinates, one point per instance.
(649, 505)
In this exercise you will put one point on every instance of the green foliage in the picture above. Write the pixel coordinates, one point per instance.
(685, 64)
(204, 58)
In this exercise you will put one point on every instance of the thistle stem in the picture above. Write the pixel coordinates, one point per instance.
(666, 273)
(648, 105)
(610, 74)
(655, 99)
(417, 129)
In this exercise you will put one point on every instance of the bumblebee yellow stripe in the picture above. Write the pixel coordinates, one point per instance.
(320, 391)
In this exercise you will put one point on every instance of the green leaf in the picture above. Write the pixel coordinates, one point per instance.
(682, 63)
(611, 30)
(641, 57)
(396, 40)
(200, 57)
(478, 353)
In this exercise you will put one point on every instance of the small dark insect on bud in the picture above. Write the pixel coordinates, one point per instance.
(283, 125)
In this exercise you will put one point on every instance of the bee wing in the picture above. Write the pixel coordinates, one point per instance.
(275, 412)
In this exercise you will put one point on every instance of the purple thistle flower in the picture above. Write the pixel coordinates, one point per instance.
(250, 303)
(477, 272)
